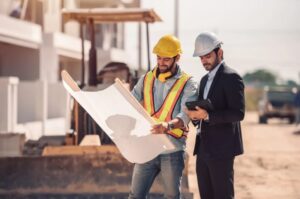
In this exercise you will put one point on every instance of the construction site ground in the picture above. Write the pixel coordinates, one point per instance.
(269, 169)
(270, 166)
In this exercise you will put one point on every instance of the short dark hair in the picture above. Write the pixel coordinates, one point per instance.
(216, 50)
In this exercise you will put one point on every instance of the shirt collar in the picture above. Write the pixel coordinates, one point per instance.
(212, 73)
(178, 74)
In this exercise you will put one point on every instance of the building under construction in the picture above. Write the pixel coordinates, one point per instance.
(50, 147)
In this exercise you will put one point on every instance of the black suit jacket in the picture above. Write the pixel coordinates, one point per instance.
(221, 136)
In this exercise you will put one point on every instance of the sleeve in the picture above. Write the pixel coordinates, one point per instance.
(234, 95)
(189, 94)
(137, 90)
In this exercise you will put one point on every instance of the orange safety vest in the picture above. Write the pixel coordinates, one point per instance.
(164, 113)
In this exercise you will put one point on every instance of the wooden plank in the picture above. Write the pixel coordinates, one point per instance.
(79, 150)
(107, 15)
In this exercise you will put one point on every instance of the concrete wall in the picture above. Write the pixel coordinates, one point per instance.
(11, 145)
(6, 7)
(32, 101)
(34, 108)
(19, 61)
(73, 67)
(19, 32)
(60, 51)
(44, 63)
(58, 100)
(43, 109)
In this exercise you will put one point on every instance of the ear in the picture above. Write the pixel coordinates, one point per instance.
(177, 58)
(220, 53)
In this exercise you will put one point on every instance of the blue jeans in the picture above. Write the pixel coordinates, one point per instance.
(171, 167)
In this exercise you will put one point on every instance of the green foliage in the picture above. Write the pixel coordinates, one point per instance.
(260, 76)
(291, 83)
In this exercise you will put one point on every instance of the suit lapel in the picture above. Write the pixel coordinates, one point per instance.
(202, 86)
(215, 80)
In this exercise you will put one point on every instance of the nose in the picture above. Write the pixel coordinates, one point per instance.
(203, 60)
(160, 62)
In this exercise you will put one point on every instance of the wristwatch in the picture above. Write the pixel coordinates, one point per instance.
(171, 126)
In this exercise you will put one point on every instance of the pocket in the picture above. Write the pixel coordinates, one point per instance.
(174, 158)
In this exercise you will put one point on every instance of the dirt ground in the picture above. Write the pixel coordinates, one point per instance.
(270, 166)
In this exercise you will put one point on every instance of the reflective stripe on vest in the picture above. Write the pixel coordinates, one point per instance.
(164, 114)
(148, 93)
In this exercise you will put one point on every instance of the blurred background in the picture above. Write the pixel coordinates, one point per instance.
(40, 38)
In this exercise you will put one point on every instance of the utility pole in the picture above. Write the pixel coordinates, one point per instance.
(140, 54)
(176, 17)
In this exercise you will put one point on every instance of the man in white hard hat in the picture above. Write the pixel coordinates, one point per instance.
(219, 137)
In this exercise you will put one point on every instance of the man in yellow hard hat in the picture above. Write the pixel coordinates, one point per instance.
(163, 93)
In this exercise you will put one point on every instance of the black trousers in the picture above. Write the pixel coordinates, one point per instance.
(215, 178)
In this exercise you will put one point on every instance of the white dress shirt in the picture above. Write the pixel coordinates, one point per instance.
(211, 76)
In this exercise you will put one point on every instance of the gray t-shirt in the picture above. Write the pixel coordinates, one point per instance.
(161, 91)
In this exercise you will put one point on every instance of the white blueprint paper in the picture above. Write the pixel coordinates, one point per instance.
(122, 119)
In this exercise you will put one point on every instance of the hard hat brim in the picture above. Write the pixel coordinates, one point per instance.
(207, 51)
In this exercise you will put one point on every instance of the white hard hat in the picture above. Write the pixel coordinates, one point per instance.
(205, 43)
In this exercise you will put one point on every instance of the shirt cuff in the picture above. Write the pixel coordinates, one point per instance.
(207, 118)
(184, 118)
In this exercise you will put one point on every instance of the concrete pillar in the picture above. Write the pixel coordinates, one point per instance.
(8, 103)
(68, 115)
(49, 60)
(43, 104)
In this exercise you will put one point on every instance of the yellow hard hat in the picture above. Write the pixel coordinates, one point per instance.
(167, 46)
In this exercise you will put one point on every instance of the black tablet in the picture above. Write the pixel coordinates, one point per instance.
(205, 104)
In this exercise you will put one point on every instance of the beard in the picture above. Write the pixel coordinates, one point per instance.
(163, 68)
(210, 67)
(166, 68)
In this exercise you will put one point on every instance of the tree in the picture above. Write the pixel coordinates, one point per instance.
(260, 76)
(291, 83)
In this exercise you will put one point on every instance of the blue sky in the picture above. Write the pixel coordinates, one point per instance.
(256, 33)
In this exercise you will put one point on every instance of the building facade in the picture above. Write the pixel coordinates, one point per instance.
(35, 46)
